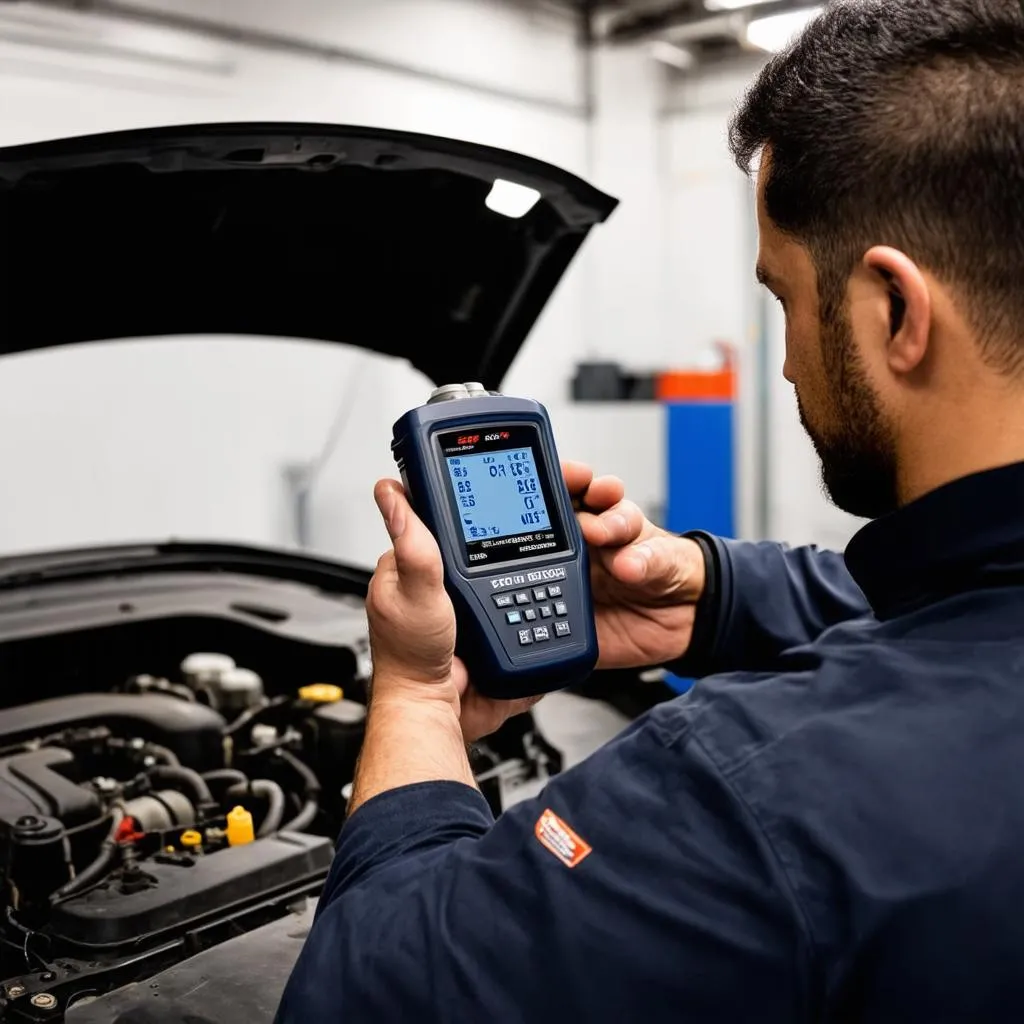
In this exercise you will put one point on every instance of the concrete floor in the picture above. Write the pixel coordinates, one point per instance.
(577, 727)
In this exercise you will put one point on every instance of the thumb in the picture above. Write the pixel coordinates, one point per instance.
(417, 556)
(662, 565)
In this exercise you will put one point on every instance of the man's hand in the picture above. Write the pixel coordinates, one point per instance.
(412, 626)
(646, 582)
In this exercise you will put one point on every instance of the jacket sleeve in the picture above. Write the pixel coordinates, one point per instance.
(763, 599)
(636, 888)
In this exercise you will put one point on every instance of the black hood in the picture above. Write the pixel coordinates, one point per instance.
(373, 238)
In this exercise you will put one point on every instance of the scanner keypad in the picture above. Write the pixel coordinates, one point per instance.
(523, 607)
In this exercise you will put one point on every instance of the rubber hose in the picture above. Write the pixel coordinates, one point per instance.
(310, 783)
(164, 755)
(303, 819)
(230, 777)
(94, 871)
(187, 779)
(251, 714)
(311, 791)
(274, 796)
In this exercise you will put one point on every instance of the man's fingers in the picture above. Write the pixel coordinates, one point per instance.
(603, 493)
(620, 525)
(417, 556)
(663, 565)
(578, 476)
(589, 493)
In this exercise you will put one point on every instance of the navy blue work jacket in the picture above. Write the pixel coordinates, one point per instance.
(830, 827)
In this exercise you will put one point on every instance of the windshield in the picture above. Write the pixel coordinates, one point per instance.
(212, 439)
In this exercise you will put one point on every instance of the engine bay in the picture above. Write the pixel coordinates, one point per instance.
(145, 824)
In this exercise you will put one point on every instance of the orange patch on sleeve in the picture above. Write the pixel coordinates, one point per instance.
(561, 840)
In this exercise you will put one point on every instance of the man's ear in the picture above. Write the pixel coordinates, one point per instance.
(910, 306)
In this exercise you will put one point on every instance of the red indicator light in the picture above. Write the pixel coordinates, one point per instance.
(469, 439)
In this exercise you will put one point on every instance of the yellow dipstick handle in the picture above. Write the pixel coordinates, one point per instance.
(240, 829)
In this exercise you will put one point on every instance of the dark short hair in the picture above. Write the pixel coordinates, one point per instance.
(901, 122)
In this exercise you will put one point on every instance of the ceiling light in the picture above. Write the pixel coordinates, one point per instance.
(675, 56)
(511, 200)
(731, 5)
(777, 31)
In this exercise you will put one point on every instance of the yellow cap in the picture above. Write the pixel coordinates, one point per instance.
(240, 830)
(191, 838)
(321, 693)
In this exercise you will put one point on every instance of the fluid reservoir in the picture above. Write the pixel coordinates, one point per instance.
(338, 728)
(236, 690)
(200, 670)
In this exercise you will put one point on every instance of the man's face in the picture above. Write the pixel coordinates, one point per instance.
(840, 410)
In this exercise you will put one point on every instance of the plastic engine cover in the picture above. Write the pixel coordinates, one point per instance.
(108, 917)
(32, 784)
(192, 731)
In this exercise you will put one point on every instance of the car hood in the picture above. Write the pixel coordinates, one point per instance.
(380, 239)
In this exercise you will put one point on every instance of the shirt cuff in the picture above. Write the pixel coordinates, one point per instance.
(698, 660)
(403, 822)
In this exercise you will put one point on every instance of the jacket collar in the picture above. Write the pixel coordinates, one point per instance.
(966, 535)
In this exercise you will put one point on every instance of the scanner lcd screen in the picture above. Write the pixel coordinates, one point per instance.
(501, 493)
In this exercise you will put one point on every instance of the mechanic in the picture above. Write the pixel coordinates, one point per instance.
(831, 825)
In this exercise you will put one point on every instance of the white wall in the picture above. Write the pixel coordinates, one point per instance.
(621, 285)
(191, 438)
(196, 435)
(711, 260)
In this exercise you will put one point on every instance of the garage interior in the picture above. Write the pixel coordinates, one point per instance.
(276, 444)
(252, 441)
(639, 111)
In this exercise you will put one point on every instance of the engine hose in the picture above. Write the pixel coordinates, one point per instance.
(303, 819)
(251, 714)
(93, 872)
(231, 777)
(274, 796)
(310, 783)
(163, 754)
(311, 792)
(187, 779)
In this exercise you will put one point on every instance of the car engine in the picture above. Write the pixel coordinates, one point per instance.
(142, 825)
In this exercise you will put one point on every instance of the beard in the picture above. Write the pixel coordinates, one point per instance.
(858, 454)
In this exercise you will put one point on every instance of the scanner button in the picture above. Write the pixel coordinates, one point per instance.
(531, 615)
(503, 600)
(561, 608)
(540, 633)
(540, 594)
(545, 611)
(524, 638)
(562, 629)
(554, 591)
(522, 598)
(514, 618)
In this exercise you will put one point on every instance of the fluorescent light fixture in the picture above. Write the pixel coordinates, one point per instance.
(675, 56)
(100, 37)
(777, 31)
(512, 200)
(731, 5)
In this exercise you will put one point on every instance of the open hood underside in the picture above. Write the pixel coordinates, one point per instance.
(372, 238)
